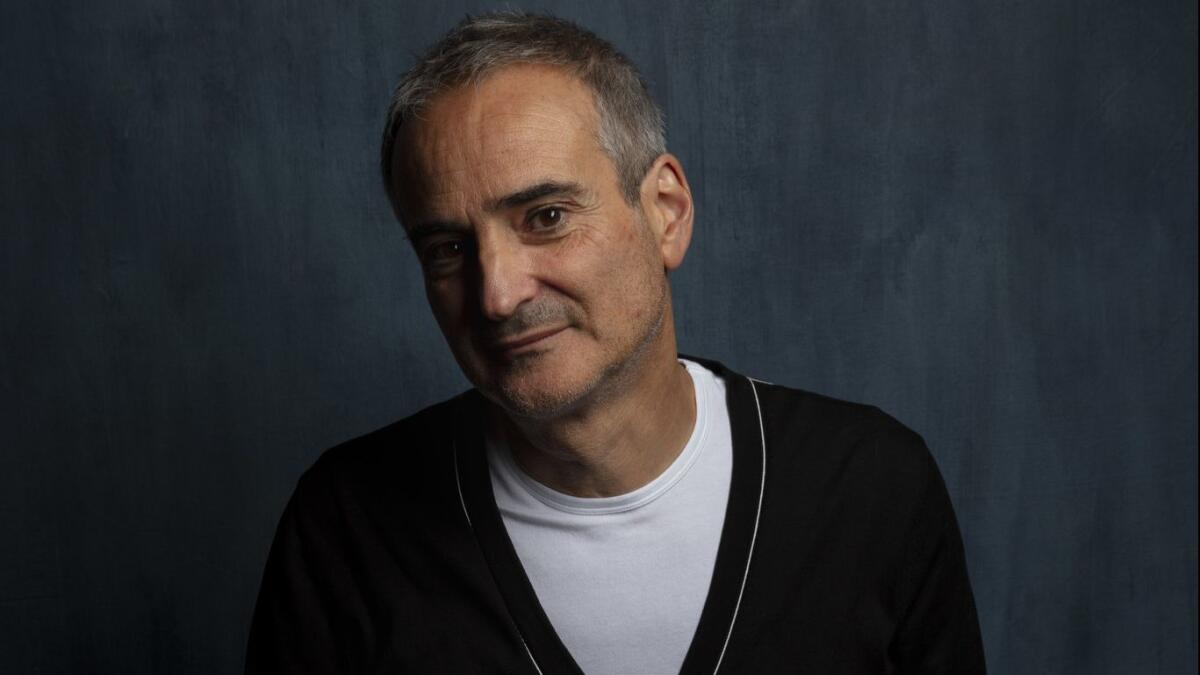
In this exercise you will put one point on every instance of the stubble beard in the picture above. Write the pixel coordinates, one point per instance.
(545, 403)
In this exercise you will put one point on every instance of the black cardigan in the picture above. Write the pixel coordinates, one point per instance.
(840, 553)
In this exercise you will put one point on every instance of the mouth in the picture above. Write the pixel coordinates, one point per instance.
(527, 342)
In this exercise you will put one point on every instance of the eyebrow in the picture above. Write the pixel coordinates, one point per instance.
(426, 229)
(547, 188)
(543, 189)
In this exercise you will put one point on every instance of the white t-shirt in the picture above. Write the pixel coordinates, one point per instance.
(623, 579)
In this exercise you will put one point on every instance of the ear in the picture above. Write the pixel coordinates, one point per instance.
(667, 201)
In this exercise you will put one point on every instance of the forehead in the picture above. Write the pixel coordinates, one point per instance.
(518, 126)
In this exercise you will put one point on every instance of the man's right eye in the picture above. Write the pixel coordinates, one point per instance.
(444, 258)
(444, 251)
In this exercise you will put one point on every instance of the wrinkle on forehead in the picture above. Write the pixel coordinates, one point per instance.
(479, 141)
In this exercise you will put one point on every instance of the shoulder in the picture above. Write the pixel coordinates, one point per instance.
(843, 457)
(796, 419)
(406, 458)
(806, 431)
(854, 501)
(852, 468)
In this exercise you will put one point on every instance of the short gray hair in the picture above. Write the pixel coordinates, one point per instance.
(631, 129)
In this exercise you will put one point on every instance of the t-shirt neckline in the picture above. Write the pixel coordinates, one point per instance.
(639, 497)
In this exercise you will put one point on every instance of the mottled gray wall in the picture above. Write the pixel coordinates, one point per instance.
(981, 217)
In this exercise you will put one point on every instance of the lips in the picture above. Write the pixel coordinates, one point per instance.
(526, 341)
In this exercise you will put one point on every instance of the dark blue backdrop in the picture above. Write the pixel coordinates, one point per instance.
(981, 217)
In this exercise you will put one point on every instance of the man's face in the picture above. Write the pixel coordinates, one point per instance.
(545, 282)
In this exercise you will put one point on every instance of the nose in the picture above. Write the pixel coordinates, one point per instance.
(505, 277)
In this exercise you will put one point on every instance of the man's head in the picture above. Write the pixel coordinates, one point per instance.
(631, 124)
(545, 258)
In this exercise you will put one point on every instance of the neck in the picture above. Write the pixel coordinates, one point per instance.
(617, 444)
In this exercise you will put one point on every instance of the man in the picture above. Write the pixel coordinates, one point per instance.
(596, 502)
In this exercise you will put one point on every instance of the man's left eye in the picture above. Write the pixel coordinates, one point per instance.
(547, 218)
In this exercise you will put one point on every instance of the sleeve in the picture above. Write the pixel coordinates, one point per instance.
(305, 604)
(939, 630)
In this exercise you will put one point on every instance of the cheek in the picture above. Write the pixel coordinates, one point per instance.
(630, 278)
(446, 301)
(609, 269)
(647, 277)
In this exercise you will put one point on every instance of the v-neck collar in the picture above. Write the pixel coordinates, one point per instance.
(734, 552)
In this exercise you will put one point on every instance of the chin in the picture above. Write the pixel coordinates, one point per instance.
(556, 381)
(543, 386)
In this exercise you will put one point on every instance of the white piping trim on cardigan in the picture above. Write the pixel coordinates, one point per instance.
(754, 536)
(529, 653)
(458, 483)
(467, 514)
